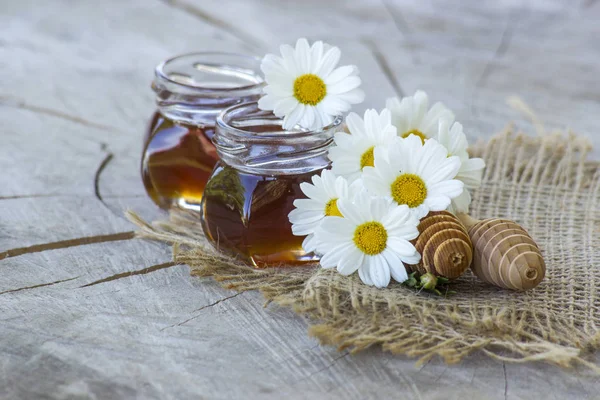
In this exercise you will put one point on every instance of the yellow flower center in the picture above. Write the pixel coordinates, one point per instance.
(368, 158)
(370, 238)
(309, 89)
(332, 210)
(415, 132)
(409, 189)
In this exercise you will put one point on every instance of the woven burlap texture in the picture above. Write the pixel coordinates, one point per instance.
(543, 183)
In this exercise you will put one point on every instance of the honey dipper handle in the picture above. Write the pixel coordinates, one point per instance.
(467, 220)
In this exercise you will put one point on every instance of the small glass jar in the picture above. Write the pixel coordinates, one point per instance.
(191, 90)
(252, 189)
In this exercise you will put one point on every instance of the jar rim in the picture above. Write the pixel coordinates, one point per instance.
(253, 140)
(160, 73)
(249, 136)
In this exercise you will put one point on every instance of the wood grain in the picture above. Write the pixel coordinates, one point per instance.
(505, 255)
(114, 319)
(444, 245)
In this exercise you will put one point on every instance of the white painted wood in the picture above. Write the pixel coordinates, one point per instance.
(74, 90)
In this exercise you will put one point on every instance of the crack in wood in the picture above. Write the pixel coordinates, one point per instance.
(501, 50)
(29, 196)
(384, 65)
(398, 19)
(346, 354)
(127, 274)
(202, 308)
(48, 195)
(503, 46)
(101, 167)
(424, 365)
(402, 27)
(440, 375)
(505, 381)
(218, 23)
(38, 286)
(107, 159)
(113, 237)
(22, 105)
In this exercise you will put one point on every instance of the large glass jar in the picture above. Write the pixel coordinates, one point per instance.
(191, 90)
(252, 189)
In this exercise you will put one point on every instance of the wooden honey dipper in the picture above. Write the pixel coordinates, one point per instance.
(444, 244)
(504, 253)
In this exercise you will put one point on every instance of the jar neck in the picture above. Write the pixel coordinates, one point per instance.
(195, 88)
(253, 141)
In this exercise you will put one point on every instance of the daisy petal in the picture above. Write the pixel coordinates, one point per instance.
(461, 203)
(379, 271)
(339, 74)
(302, 56)
(267, 102)
(355, 124)
(436, 203)
(348, 263)
(364, 275)
(289, 59)
(451, 188)
(292, 119)
(332, 256)
(348, 84)
(447, 169)
(397, 269)
(316, 57)
(308, 204)
(305, 216)
(401, 246)
(310, 243)
(411, 259)
(284, 106)
(355, 96)
(308, 120)
(338, 228)
(334, 105)
(330, 60)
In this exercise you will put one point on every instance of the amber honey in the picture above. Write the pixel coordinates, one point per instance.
(177, 162)
(251, 192)
(191, 90)
(247, 215)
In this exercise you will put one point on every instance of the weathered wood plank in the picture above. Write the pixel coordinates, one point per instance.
(115, 319)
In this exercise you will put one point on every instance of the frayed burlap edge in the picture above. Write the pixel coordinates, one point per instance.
(539, 325)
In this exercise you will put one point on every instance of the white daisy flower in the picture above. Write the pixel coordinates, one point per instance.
(451, 136)
(323, 195)
(355, 151)
(416, 174)
(305, 87)
(412, 115)
(372, 237)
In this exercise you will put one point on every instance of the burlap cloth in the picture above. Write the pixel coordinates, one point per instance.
(543, 183)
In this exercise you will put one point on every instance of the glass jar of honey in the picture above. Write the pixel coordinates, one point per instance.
(251, 191)
(191, 90)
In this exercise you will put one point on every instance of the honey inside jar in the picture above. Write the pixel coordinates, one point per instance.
(247, 215)
(191, 90)
(177, 162)
(251, 192)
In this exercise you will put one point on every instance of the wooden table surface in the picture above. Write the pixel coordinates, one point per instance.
(86, 312)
